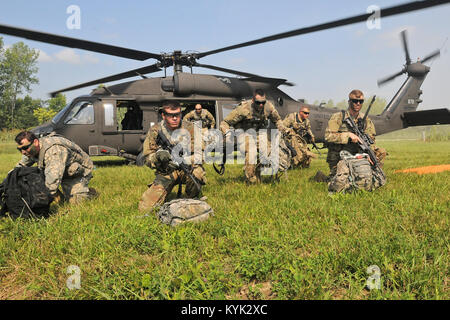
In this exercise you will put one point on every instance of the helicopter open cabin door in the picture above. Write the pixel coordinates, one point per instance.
(121, 126)
(225, 107)
(130, 118)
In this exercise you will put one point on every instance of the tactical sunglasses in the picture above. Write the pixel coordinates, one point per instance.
(23, 148)
(355, 101)
(173, 115)
(305, 112)
(263, 102)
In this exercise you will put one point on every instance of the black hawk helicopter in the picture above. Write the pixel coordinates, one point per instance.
(113, 120)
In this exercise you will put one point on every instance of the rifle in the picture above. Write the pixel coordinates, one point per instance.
(221, 169)
(309, 139)
(162, 141)
(365, 144)
(367, 113)
(291, 148)
(304, 133)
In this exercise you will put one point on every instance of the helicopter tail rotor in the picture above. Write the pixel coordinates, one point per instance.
(431, 56)
(410, 68)
(390, 78)
(405, 47)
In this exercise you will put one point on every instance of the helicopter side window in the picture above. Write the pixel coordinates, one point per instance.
(109, 114)
(81, 113)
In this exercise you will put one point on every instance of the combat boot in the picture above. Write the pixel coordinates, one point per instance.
(320, 177)
(155, 195)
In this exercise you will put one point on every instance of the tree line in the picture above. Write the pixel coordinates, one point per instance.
(377, 107)
(18, 69)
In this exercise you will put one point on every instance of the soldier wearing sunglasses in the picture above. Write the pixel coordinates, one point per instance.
(167, 172)
(299, 136)
(252, 114)
(64, 163)
(340, 138)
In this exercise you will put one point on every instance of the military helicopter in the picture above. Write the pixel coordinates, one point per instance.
(113, 120)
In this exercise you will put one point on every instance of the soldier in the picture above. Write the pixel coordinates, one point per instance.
(252, 114)
(132, 119)
(64, 163)
(299, 136)
(203, 115)
(340, 138)
(168, 173)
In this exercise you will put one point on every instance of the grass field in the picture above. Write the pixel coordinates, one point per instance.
(289, 240)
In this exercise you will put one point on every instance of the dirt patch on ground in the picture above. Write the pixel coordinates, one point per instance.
(255, 290)
(11, 290)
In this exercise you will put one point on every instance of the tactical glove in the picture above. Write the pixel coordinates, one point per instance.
(164, 161)
(163, 156)
(172, 166)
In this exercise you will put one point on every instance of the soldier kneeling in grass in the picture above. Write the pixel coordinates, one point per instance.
(354, 160)
(159, 150)
(63, 163)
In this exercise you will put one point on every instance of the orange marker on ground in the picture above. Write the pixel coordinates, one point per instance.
(429, 169)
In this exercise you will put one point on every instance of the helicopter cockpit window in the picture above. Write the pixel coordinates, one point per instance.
(81, 113)
(59, 115)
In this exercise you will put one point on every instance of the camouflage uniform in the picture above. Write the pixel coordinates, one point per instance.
(246, 117)
(205, 117)
(337, 137)
(167, 178)
(64, 163)
(297, 138)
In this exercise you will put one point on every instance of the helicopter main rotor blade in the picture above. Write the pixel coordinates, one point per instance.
(431, 56)
(78, 43)
(407, 7)
(405, 47)
(385, 80)
(239, 73)
(128, 74)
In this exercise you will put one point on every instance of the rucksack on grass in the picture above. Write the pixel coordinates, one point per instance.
(23, 194)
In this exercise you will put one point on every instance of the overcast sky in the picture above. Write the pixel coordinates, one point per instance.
(323, 65)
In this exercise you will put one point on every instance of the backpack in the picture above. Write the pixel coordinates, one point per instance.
(23, 194)
(282, 162)
(285, 154)
(180, 211)
(354, 172)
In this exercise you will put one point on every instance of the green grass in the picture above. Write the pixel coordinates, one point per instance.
(289, 240)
